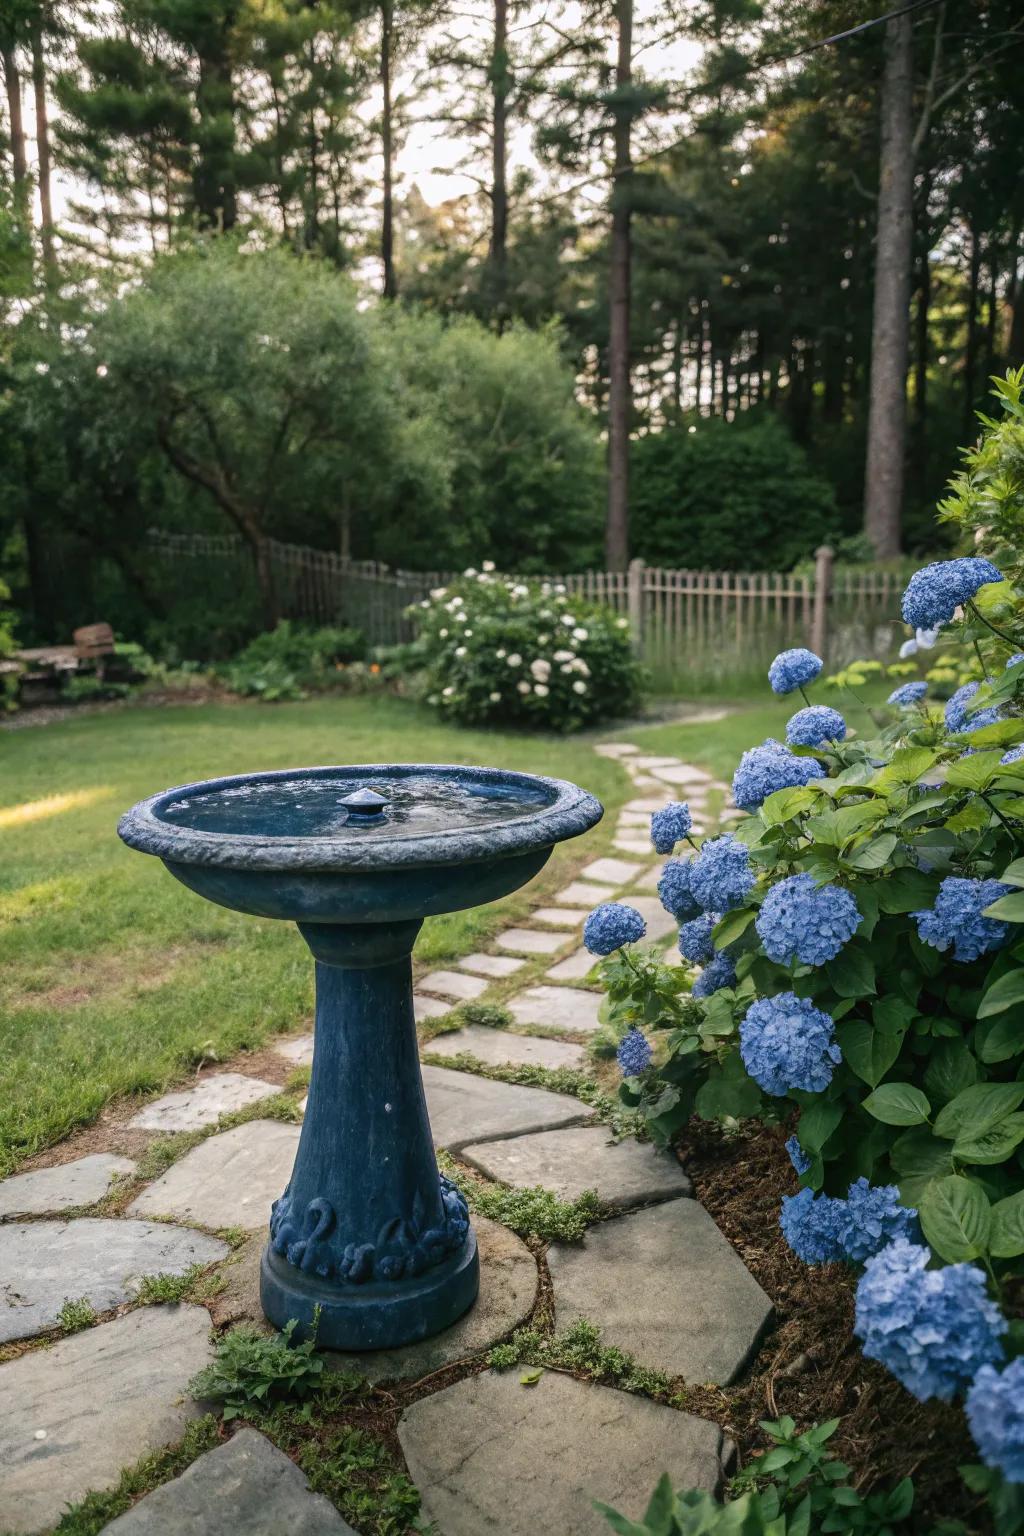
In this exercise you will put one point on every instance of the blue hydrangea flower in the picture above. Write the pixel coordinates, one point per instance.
(811, 1225)
(720, 875)
(769, 767)
(675, 892)
(797, 1156)
(670, 825)
(995, 1412)
(814, 726)
(957, 718)
(807, 922)
(874, 1217)
(611, 925)
(695, 942)
(1014, 755)
(787, 1043)
(634, 1053)
(719, 972)
(1015, 658)
(936, 591)
(793, 669)
(933, 1329)
(956, 918)
(908, 694)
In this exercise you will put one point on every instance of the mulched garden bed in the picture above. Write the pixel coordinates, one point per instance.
(811, 1366)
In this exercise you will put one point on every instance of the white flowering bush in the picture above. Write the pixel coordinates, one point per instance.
(496, 650)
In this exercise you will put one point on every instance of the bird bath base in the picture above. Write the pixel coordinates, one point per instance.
(370, 1247)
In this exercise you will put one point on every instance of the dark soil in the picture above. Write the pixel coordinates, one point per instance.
(810, 1366)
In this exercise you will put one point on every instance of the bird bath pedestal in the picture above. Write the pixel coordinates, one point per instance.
(367, 1234)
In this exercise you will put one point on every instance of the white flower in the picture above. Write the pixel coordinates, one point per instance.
(501, 654)
(568, 620)
(580, 666)
(101, 371)
(446, 693)
(560, 589)
(622, 623)
(471, 572)
(541, 690)
(908, 648)
(567, 667)
(523, 686)
(565, 655)
(927, 638)
(460, 650)
(495, 698)
(581, 634)
(443, 634)
(425, 603)
(579, 687)
(437, 593)
(543, 639)
(42, 367)
(541, 669)
(545, 613)
(520, 591)
(488, 566)
(515, 660)
(468, 633)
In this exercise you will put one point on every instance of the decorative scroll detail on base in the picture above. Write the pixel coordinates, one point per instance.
(405, 1246)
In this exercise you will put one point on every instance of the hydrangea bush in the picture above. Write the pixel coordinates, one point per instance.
(863, 980)
(495, 649)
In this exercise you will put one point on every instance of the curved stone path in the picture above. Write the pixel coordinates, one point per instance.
(486, 1451)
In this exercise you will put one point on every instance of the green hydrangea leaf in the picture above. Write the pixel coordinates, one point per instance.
(956, 1218)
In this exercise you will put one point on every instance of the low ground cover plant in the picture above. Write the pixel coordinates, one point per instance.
(291, 660)
(493, 649)
(860, 949)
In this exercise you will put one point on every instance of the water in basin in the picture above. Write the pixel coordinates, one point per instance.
(308, 806)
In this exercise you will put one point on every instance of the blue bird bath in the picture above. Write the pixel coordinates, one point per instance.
(368, 1235)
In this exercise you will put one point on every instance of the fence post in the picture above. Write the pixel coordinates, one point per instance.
(635, 604)
(823, 559)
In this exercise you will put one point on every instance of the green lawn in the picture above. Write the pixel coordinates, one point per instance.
(113, 977)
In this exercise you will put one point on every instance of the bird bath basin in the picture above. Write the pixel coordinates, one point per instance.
(367, 1230)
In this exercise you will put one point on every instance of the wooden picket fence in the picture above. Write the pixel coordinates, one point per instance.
(693, 629)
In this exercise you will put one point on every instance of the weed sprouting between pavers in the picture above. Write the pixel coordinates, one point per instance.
(76, 1315)
(534, 1212)
(579, 1350)
(96, 1510)
(252, 1369)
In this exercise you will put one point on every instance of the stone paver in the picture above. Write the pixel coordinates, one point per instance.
(488, 1454)
(528, 941)
(202, 1105)
(657, 762)
(495, 1047)
(648, 803)
(664, 1284)
(491, 965)
(559, 917)
(45, 1190)
(558, 1007)
(298, 1051)
(659, 922)
(634, 819)
(611, 871)
(229, 1180)
(43, 1264)
(672, 956)
(247, 1485)
(581, 893)
(73, 1415)
(424, 1008)
(649, 881)
(615, 748)
(508, 1290)
(632, 844)
(464, 1107)
(574, 968)
(454, 985)
(684, 774)
(567, 1162)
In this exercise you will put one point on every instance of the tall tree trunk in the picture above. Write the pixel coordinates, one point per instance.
(43, 149)
(387, 233)
(497, 254)
(883, 496)
(924, 298)
(214, 176)
(971, 353)
(616, 541)
(19, 163)
(678, 360)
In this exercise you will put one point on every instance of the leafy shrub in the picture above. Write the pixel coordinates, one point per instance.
(252, 1370)
(867, 976)
(794, 1489)
(730, 495)
(520, 652)
(289, 661)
